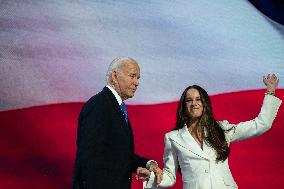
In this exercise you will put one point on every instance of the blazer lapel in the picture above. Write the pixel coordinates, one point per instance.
(187, 141)
(207, 149)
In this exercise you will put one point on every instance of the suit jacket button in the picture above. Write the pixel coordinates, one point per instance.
(206, 171)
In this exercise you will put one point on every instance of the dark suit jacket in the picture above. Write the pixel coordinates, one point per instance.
(105, 150)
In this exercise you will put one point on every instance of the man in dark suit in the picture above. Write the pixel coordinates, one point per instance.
(105, 155)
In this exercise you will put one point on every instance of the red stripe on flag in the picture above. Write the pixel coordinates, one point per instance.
(38, 144)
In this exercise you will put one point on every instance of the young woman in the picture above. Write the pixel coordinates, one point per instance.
(199, 145)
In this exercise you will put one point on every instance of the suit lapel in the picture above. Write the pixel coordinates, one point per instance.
(187, 141)
(117, 110)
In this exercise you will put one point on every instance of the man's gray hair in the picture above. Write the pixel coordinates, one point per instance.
(116, 65)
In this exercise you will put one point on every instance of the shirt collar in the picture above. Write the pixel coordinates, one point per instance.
(117, 97)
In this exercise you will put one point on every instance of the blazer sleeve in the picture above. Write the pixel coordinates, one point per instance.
(255, 127)
(169, 171)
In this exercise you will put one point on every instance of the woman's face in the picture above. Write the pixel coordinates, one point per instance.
(194, 103)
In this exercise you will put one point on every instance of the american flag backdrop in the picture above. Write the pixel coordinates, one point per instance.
(54, 56)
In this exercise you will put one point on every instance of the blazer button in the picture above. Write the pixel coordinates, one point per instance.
(129, 178)
(206, 171)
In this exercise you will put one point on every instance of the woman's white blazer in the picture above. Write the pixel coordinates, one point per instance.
(198, 166)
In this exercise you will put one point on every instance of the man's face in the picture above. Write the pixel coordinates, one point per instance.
(126, 79)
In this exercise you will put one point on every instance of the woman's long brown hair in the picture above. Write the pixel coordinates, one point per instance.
(215, 135)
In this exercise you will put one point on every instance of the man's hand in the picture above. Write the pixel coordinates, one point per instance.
(158, 172)
(142, 173)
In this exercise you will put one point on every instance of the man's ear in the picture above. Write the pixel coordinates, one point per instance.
(114, 76)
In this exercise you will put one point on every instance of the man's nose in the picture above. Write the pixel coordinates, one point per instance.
(136, 82)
